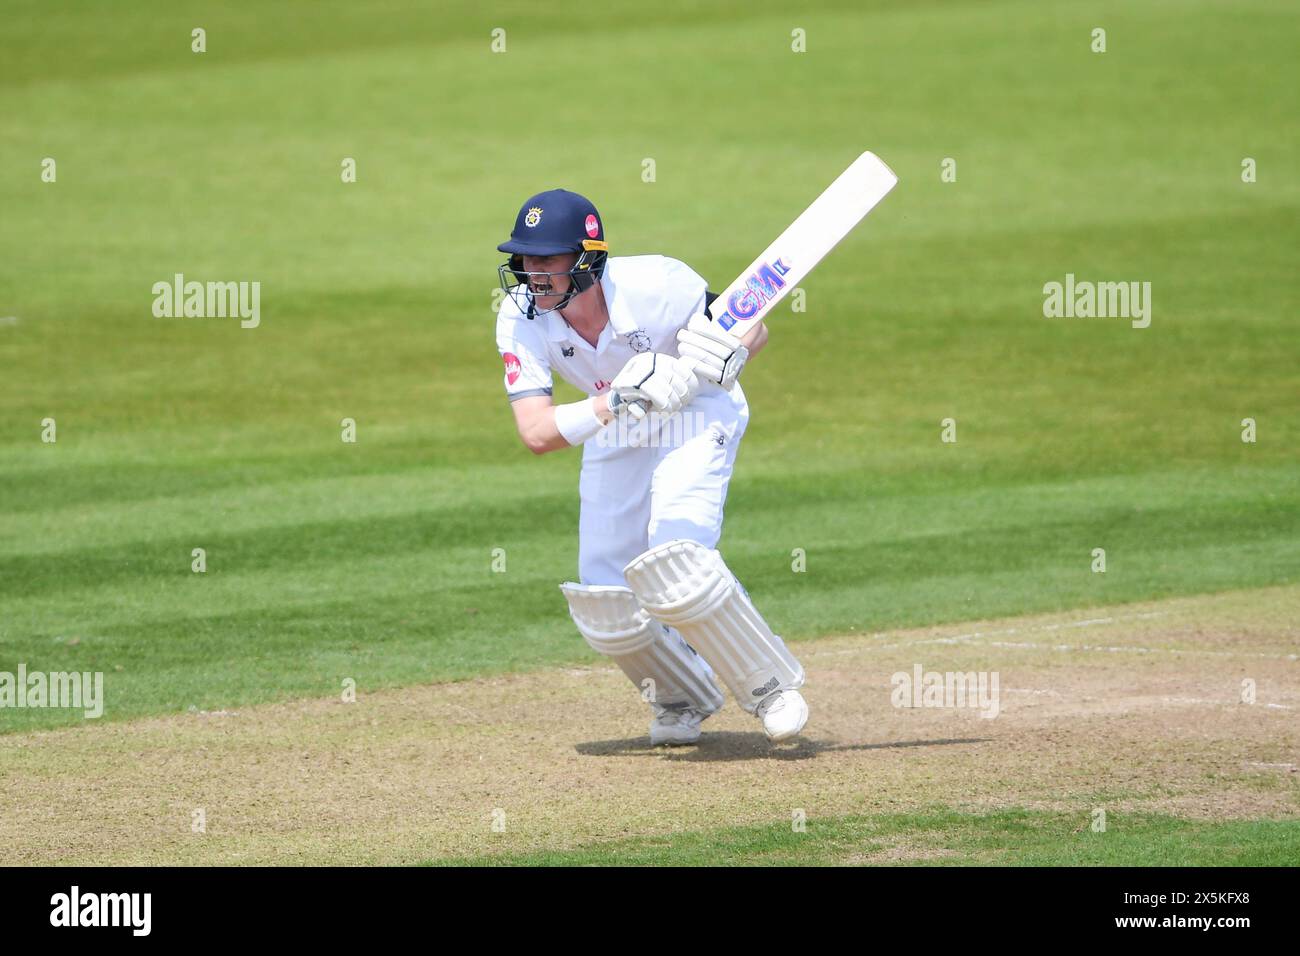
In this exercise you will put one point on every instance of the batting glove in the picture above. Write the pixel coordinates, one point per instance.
(653, 380)
(717, 354)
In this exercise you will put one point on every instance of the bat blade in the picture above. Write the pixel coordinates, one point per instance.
(795, 252)
(804, 243)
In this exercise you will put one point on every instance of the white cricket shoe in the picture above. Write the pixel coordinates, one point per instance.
(675, 726)
(783, 714)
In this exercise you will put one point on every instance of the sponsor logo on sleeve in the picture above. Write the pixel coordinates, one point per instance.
(513, 367)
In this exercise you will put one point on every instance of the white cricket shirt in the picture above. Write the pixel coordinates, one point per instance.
(649, 299)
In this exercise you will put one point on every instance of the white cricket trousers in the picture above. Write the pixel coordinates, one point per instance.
(672, 488)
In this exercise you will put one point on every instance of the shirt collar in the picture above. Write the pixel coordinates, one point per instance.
(620, 317)
(557, 330)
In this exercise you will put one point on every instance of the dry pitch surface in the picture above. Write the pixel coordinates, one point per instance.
(1133, 708)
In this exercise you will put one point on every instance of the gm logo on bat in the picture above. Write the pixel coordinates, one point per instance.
(760, 288)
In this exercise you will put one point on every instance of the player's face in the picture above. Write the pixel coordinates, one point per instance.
(547, 291)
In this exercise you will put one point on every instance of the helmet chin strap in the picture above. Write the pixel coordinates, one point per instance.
(566, 297)
(534, 310)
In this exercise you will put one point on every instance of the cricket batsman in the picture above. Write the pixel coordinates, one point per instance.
(633, 335)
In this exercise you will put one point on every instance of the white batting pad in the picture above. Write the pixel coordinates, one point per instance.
(688, 586)
(656, 660)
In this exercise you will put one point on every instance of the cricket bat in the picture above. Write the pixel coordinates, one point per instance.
(805, 242)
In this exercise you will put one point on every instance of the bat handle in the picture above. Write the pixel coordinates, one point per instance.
(639, 432)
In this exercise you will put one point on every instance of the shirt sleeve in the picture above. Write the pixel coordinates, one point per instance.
(687, 290)
(523, 350)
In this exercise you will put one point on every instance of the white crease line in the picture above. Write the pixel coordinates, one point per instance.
(973, 635)
(1141, 650)
(1089, 622)
(1221, 702)
(1200, 700)
(957, 639)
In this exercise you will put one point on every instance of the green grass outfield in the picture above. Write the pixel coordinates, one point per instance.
(947, 838)
(373, 560)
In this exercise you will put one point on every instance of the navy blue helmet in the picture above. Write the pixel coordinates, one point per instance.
(549, 224)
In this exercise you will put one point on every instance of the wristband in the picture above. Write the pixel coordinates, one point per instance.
(577, 421)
